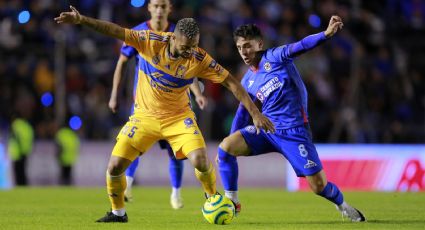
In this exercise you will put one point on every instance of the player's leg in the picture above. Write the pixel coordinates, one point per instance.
(244, 142)
(331, 192)
(204, 170)
(176, 175)
(131, 141)
(185, 138)
(231, 146)
(298, 148)
(129, 177)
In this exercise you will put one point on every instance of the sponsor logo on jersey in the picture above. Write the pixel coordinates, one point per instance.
(267, 66)
(213, 64)
(260, 97)
(250, 83)
(268, 88)
(310, 164)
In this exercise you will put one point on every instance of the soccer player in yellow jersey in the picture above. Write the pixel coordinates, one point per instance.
(168, 65)
(158, 11)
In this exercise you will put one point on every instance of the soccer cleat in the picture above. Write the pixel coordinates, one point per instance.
(128, 196)
(112, 218)
(351, 213)
(238, 207)
(176, 202)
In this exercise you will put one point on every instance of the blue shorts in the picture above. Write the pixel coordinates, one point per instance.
(295, 144)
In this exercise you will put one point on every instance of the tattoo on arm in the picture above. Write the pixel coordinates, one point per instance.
(104, 27)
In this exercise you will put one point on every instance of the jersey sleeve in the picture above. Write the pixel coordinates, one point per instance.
(294, 49)
(241, 120)
(128, 51)
(137, 39)
(209, 69)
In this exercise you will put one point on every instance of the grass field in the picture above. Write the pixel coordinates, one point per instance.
(78, 208)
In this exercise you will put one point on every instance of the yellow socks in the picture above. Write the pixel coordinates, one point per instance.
(115, 186)
(207, 180)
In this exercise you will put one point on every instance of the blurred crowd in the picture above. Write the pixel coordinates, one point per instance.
(366, 85)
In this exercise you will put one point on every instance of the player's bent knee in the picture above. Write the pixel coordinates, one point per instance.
(235, 145)
(117, 165)
(199, 160)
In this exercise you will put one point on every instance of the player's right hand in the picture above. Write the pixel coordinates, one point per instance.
(335, 24)
(113, 105)
(262, 122)
(73, 17)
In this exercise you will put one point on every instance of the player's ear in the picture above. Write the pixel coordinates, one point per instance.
(260, 44)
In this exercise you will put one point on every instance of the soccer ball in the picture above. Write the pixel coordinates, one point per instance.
(218, 209)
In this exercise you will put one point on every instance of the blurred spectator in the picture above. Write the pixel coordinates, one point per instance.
(366, 85)
(68, 149)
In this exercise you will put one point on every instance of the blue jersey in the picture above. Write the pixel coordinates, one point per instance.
(278, 86)
(130, 51)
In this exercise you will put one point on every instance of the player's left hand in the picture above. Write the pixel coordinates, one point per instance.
(262, 122)
(202, 101)
(335, 24)
(73, 17)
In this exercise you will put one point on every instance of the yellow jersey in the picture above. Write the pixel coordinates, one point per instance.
(162, 88)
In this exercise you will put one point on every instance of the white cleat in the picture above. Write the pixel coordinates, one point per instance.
(351, 213)
(128, 196)
(176, 202)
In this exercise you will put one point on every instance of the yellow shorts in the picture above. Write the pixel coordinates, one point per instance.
(141, 132)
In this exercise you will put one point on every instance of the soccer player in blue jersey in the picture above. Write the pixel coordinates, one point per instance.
(170, 61)
(159, 11)
(275, 85)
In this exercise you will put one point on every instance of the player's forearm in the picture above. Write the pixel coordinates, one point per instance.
(104, 27)
(306, 44)
(236, 88)
(194, 87)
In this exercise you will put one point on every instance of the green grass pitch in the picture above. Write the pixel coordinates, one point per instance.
(78, 208)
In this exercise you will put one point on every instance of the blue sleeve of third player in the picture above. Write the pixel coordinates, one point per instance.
(241, 120)
(294, 49)
(128, 51)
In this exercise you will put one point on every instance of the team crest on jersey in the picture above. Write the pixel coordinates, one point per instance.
(213, 64)
(142, 35)
(188, 122)
(267, 66)
(251, 129)
(181, 71)
(155, 59)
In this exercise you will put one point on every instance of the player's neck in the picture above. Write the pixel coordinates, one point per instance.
(158, 25)
(255, 62)
(171, 50)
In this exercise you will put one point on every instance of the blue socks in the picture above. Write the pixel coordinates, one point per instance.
(176, 172)
(229, 171)
(332, 193)
(131, 170)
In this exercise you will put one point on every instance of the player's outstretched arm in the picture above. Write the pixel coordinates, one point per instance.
(104, 27)
(259, 120)
(200, 99)
(309, 42)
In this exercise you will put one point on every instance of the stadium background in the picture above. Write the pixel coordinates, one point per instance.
(366, 85)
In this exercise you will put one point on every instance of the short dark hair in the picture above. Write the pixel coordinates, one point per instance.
(187, 27)
(247, 31)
